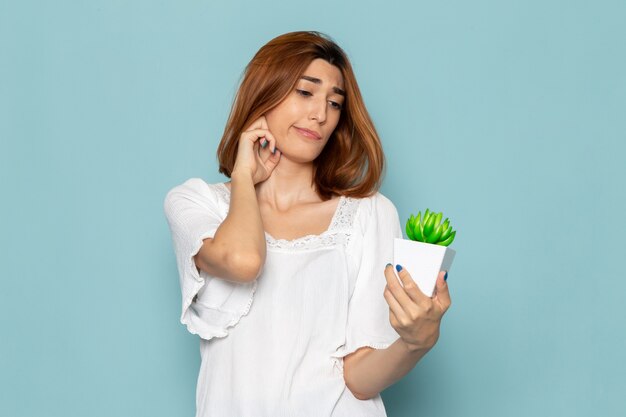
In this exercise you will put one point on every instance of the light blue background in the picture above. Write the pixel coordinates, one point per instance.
(509, 116)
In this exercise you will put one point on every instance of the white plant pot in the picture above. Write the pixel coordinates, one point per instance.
(423, 261)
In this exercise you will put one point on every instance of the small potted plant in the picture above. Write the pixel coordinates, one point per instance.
(426, 253)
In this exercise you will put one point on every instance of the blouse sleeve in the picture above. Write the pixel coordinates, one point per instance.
(368, 312)
(209, 304)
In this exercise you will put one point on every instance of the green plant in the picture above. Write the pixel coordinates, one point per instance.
(429, 229)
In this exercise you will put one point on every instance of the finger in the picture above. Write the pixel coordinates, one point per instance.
(394, 305)
(396, 289)
(260, 123)
(255, 134)
(442, 297)
(269, 159)
(272, 160)
(394, 319)
(270, 140)
(411, 287)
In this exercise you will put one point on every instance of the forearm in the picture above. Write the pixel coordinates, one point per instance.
(381, 368)
(242, 231)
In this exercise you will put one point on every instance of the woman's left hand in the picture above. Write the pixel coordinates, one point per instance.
(415, 316)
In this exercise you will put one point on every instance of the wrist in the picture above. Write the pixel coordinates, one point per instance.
(241, 175)
(415, 349)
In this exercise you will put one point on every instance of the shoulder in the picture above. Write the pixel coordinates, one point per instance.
(192, 185)
(374, 209)
(194, 190)
(383, 204)
(377, 203)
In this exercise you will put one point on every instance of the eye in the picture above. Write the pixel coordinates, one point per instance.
(336, 105)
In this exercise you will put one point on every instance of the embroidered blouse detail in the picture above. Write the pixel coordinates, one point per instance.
(338, 233)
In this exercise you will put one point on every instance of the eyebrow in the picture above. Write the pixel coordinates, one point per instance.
(337, 90)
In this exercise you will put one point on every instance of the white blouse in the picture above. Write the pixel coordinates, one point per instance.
(274, 347)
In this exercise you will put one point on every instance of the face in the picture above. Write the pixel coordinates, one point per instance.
(304, 121)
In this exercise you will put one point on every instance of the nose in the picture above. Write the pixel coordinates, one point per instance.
(318, 111)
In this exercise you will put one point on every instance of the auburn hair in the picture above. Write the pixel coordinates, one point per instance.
(352, 162)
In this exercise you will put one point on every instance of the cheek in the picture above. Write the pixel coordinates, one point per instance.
(273, 122)
(335, 121)
(279, 118)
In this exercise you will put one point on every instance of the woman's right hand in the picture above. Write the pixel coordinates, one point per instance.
(252, 157)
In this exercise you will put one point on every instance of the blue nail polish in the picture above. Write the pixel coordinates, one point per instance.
(387, 265)
(398, 268)
(445, 277)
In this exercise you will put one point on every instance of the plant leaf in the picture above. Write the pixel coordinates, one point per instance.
(429, 226)
(438, 219)
(446, 233)
(434, 237)
(448, 240)
(418, 231)
(409, 227)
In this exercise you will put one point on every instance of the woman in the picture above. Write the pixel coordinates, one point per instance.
(282, 269)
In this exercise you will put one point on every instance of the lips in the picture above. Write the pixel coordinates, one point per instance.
(309, 133)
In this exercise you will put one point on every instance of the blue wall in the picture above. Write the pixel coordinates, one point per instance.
(507, 115)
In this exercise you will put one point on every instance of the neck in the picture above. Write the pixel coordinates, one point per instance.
(289, 184)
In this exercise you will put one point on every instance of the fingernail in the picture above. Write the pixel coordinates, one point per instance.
(387, 265)
(445, 277)
(398, 267)
(274, 150)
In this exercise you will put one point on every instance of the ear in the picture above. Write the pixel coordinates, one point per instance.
(263, 122)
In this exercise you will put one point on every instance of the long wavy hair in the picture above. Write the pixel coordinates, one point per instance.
(352, 163)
